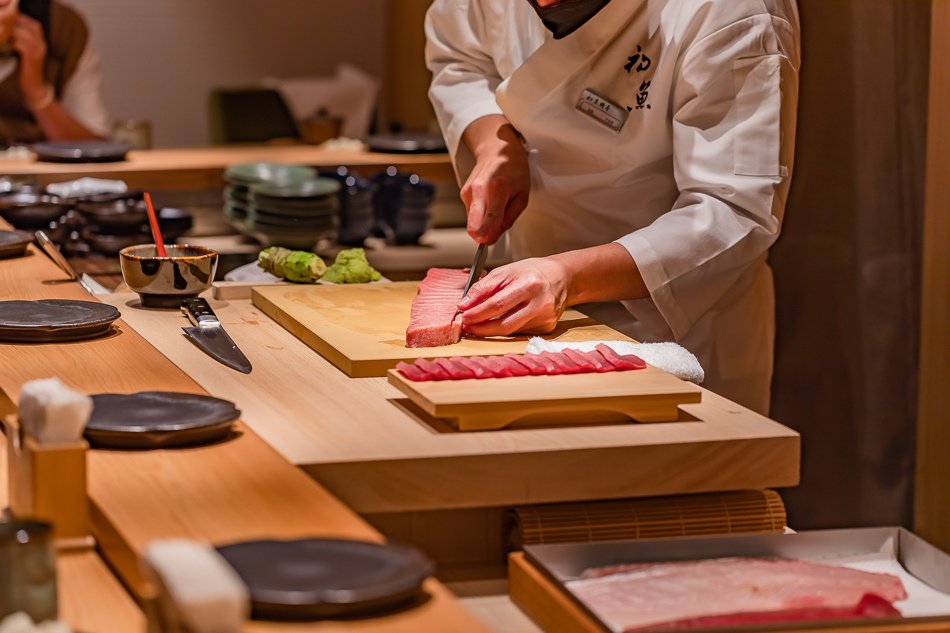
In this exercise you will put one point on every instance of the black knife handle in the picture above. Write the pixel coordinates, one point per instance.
(198, 310)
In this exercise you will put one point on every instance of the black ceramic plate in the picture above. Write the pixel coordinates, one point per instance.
(81, 151)
(317, 578)
(14, 243)
(158, 419)
(54, 320)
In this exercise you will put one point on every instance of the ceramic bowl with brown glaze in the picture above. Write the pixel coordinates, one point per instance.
(164, 282)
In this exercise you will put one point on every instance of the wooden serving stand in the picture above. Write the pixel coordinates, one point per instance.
(48, 482)
(644, 395)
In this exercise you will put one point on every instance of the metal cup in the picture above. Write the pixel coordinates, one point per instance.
(27, 570)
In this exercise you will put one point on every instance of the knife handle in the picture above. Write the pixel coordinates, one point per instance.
(198, 311)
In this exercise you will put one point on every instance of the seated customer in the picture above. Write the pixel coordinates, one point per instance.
(50, 84)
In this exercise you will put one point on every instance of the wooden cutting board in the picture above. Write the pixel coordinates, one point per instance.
(361, 328)
(644, 395)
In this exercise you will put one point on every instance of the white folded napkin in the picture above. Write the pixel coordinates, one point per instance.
(86, 187)
(670, 357)
(52, 413)
(204, 591)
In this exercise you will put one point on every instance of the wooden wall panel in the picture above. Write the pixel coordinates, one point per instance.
(932, 495)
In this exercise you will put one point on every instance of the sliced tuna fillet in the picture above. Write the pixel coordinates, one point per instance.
(581, 359)
(499, 368)
(412, 372)
(434, 319)
(551, 367)
(480, 370)
(433, 369)
(511, 365)
(628, 361)
(601, 363)
(564, 364)
(516, 368)
(457, 371)
(534, 367)
(644, 596)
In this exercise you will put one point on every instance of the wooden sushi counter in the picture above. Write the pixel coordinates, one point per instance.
(202, 167)
(315, 449)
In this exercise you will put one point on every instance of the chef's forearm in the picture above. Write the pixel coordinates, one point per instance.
(488, 134)
(601, 273)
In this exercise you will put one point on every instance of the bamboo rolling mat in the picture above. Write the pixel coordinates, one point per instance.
(742, 512)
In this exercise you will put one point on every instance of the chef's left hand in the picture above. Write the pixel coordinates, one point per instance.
(29, 42)
(527, 296)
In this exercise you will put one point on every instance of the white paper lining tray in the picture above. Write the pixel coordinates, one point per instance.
(924, 569)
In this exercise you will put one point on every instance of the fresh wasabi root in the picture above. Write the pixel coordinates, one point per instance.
(299, 266)
(351, 267)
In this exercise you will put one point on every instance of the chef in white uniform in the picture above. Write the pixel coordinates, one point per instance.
(638, 155)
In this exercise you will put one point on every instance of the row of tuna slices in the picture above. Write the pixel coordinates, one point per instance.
(602, 359)
(434, 318)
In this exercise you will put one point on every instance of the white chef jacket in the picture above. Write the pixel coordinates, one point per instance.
(694, 182)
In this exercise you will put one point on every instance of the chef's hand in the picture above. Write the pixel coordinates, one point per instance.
(497, 190)
(527, 296)
(29, 42)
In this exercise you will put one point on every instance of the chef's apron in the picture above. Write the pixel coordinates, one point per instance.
(592, 184)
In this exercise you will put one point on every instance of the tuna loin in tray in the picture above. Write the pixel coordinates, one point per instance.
(729, 592)
(434, 318)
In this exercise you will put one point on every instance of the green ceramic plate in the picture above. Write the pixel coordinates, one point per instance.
(279, 173)
(315, 188)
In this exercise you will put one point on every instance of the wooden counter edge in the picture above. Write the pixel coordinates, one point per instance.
(555, 612)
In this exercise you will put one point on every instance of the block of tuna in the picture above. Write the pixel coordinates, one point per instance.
(731, 592)
(434, 319)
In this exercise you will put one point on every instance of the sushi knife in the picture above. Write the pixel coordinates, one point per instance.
(478, 265)
(208, 334)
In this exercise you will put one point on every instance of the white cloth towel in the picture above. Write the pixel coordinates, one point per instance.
(669, 357)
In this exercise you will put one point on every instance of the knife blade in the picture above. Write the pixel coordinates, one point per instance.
(478, 265)
(208, 334)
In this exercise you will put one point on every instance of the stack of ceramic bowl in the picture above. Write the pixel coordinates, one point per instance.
(241, 177)
(295, 216)
(356, 218)
(401, 206)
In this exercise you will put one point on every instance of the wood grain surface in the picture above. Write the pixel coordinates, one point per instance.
(361, 328)
(646, 395)
(235, 490)
(202, 167)
(363, 440)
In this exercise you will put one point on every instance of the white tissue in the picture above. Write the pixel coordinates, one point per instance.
(21, 622)
(18, 622)
(86, 187)
(52, 413)
(207, 594)
(670, 357)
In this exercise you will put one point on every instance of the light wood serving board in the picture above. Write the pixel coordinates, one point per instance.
(644, 395)
(361, 328)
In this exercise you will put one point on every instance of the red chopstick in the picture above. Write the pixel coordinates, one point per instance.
(153, 222)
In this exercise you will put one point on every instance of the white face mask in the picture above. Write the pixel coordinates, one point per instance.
(567, 16)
